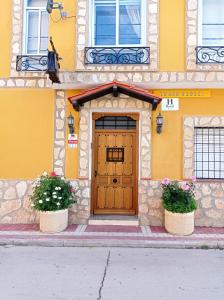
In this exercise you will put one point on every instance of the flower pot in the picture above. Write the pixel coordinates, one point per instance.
(179, 224)
(53, 221)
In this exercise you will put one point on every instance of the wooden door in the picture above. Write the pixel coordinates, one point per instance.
(115, 171)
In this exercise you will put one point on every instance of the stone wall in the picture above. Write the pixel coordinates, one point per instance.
(189, 123)
(84, 13)
(192, 39)
(15, 203)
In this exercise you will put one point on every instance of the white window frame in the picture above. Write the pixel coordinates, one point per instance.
(25, 27)
(143, 26)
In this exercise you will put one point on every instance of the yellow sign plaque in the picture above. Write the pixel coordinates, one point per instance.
(183, 93)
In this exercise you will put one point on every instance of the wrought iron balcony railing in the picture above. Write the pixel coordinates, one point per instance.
(210, 54)
(114, 55)
(31, 63)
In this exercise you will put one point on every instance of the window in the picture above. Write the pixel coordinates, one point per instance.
(115, 123)
(211, 22)
(35, 27)
(118, 22)
(209, 152)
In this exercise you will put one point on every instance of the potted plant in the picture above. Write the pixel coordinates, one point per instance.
(52, 196)
(179, 204)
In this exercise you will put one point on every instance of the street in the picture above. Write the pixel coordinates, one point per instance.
(41, 273)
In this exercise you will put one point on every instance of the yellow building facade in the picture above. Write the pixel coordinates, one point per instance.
(148, 57)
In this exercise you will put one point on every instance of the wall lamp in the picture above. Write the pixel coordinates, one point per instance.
(159, 123)
(71, 124)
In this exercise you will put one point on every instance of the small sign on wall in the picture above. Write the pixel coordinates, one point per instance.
(170, 104)
(72, 140)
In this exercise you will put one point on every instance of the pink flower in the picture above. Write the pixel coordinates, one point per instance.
(165, 181)
(193, 178)
(53, 174)
(72, 190)
(185, 187)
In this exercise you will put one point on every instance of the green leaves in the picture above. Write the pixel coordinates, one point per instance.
(52, 193)
(178, 199)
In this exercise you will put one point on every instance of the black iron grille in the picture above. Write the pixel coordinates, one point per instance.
(35, 63)
(114, 55)
(115, 123)
(115, 154)
(209, 152)
(210, 54)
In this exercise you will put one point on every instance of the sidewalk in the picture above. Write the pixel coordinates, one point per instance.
(111, 236)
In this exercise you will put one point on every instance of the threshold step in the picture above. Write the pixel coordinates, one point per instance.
(114, 220)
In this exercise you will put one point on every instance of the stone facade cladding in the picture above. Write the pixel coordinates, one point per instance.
(189, 123)
(60, 132)
(83, 38)
(15, 203)
(192, 19)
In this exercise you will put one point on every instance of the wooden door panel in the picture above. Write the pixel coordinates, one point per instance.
(115, 178)
(101, 155)
(111, 142)
(128, 170)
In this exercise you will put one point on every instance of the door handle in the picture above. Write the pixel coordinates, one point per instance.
(95, 173)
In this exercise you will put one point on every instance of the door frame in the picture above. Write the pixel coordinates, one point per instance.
(95, 116)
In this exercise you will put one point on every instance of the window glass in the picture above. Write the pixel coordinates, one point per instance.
(117, 22)
(209, 152)
(105, 22)
(36, 27)
(37, 3)
(32, 38)
(130, 22)
(213, 22)
(44, 31)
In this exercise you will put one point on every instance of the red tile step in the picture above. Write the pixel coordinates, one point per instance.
(113, 228)
(198, 230)
(29, 227)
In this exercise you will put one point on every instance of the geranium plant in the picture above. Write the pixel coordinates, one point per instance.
(178, 197)
(52, 192)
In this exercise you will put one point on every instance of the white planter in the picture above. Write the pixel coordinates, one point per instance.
(53, 221)
(179, 224)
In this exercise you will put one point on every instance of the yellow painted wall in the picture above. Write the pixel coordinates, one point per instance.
(167, 152)
(72, 158)
(5, 37)
(63, 34)
(26, 132)
(172, 35)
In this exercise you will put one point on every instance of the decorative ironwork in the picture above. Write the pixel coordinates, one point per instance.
(115, 154)
(115, 123)
(114, 55)
(210, 54)
(31, 63)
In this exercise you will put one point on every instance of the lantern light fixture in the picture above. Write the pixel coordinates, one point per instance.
(159, 123)
(71, 124)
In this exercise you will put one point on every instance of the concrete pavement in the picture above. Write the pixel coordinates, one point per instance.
(110, 274)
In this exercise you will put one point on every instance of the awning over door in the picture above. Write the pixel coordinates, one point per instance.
(114, 88)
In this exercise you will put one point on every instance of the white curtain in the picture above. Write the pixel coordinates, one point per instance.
(134, 14)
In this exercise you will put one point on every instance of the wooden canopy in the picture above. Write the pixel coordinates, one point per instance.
(114, 88)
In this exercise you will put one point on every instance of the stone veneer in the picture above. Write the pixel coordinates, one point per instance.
(15, 203)
(210, 200)
(83, 38)
(60, 132)
(189, 123)
(192, 13)
(17, 40)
